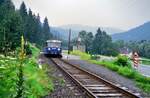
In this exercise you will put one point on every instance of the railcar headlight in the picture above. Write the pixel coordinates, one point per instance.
(58, 49)
(49, 48)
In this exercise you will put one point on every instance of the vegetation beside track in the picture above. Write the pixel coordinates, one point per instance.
(34, 83)
(146, 61)
(126, 71)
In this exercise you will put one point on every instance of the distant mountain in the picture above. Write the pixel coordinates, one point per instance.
(93, 29)
(62, 31)
(141, 32)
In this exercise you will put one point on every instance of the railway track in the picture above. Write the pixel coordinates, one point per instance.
(93, 85)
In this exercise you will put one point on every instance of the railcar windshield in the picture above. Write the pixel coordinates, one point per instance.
(54, 44)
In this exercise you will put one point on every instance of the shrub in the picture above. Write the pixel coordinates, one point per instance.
(28, 49)
(36, 82)
(127, 72)
(111, 52)
(144, 86)
(94, 57)
(8, 77)
(141, 78)
(113, 67)
(122, 60)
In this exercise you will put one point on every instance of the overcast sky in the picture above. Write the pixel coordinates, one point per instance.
(122, 14)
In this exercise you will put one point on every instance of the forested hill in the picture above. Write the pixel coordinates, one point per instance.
(139, 33)
(63, 33)
(14, 23)
(88, 28)
(76, 28)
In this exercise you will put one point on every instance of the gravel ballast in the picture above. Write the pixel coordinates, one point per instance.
(108, 75)
(63, 86)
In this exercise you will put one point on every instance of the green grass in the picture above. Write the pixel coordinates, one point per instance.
(127, 71)
(146, 62)
(83, 56)
(144, 86)
(65, 51)
(35, 51)
(36, 81)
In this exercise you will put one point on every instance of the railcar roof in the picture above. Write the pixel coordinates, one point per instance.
(57, 41)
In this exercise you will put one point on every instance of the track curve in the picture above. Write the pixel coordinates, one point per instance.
(93, 85)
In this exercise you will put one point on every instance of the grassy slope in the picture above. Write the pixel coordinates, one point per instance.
(146, 62)
(142, 81)
(36, 76)
(36, 81)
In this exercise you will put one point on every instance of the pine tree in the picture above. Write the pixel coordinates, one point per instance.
(23, 10)
(10, 26)
(101, 42)
(23, 13)
(82, 35)
(39, 36)
(30, 27)
(14, 23)
(86, 39)
(1, 1)
(46, 30)
(88, 42)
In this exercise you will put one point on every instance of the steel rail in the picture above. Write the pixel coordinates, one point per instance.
(98, 78)
(89, 93)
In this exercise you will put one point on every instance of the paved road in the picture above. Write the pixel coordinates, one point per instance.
(144, 69)
(69, 57)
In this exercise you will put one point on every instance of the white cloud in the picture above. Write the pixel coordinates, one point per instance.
(115, 13)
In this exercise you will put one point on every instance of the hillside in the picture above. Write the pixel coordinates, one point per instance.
(76, 28)
(141, 32)
(63, 33)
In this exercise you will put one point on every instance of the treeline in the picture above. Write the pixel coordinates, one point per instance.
(34, 30)
(142, 47)
(101, 43)
(14, 23)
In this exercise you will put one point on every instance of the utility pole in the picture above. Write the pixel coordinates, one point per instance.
(69, 41)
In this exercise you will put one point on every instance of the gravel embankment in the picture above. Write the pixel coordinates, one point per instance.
(63, 87)
(109, 75)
